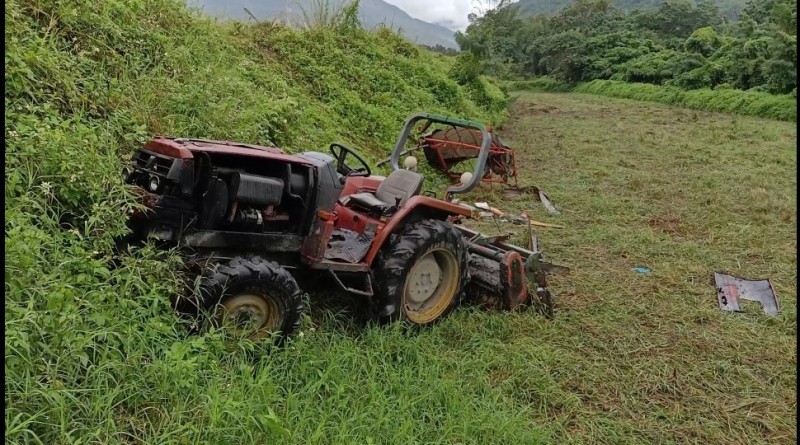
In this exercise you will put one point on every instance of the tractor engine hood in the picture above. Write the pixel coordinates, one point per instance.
(183, 148)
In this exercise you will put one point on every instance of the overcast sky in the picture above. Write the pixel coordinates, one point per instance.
(450, 13)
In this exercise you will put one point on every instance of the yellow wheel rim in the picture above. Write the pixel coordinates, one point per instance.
(249, 315)
(431, 286)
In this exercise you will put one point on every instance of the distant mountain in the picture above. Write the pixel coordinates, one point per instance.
(730, 8)
(372, 14)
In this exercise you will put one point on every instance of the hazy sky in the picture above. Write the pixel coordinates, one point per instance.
(450, 13)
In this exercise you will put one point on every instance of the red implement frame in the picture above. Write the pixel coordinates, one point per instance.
(444, 149)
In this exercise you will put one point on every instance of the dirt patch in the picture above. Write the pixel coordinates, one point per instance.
(539, 109)
(668, 224)
(496, 378)
(522, 109)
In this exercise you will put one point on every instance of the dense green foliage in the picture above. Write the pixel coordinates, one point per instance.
(441, 49)
(775, 106)
(783, 107)
(730, 8)
(679, 44)
(93, 351)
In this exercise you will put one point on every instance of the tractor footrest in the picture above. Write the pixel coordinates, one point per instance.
(349, 246)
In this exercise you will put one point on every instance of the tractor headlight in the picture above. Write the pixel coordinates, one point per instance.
(154, 183)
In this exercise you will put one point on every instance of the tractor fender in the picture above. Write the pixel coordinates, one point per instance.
(416, 208)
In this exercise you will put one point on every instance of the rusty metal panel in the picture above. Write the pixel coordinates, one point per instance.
(316, 242)
(515, 291)
(731, 289)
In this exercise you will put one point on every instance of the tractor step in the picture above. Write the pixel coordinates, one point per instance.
(340, 266)
(367, 292)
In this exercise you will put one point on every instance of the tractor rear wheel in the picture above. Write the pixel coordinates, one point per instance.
(252, 297)
(421, 273)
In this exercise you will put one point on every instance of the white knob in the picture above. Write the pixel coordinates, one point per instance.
(410, 163)
(466, 177)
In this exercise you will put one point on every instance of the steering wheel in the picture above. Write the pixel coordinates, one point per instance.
(340, 152)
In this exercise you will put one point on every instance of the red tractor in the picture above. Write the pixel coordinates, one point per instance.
(257, 217)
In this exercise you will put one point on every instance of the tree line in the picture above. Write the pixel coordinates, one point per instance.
(679, 43)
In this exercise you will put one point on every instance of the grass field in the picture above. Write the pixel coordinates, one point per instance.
(634, 358)
(629, 358)
(747, 103)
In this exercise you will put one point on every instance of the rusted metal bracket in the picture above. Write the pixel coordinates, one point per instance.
(482, 239)
(367, 293)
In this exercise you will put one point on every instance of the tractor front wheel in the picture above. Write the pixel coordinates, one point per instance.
(252, 298)
(421, 273)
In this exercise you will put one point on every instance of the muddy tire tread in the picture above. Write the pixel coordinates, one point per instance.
(223, 280)
(402, 250)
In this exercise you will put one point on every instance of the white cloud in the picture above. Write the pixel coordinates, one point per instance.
(449, 13)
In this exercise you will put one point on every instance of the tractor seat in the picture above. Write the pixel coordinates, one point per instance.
(401, 184)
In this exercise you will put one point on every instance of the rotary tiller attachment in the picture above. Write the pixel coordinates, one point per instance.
(498, 268)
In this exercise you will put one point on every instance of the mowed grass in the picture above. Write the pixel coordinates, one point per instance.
(649, 358)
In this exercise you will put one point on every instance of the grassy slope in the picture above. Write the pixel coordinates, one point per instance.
(650, 358)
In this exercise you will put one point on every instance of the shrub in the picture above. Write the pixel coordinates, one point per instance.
(783, 107)
(723, 98)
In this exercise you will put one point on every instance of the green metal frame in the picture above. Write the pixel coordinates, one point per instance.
(480, 163)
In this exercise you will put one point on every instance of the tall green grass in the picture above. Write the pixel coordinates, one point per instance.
(781, 107)
(93, 351)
